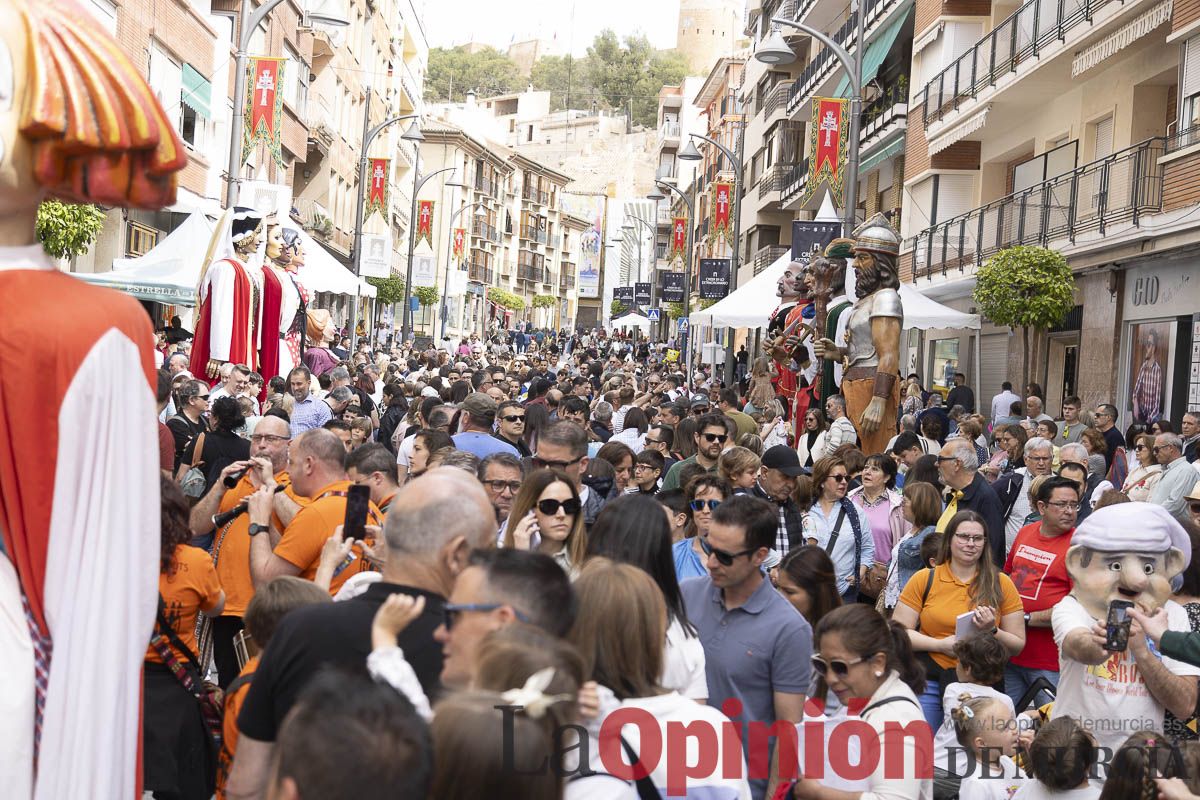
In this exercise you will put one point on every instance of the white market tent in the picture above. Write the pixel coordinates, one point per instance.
(632, 320)
(170, 272)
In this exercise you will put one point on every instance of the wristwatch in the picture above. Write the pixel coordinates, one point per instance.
(256, 529)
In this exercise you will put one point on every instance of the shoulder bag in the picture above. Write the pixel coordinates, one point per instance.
(188, 673)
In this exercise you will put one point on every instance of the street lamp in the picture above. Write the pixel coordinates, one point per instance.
(419, 180)
(774, 50)
(480, 212)
(251, 18)
(368, 136)
(687, 269)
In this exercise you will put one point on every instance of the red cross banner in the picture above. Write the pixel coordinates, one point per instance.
(264, 107)
(829, 144)
(460, 242)
(722, 203)
(377, 189)
(679, 237)
(425, 221)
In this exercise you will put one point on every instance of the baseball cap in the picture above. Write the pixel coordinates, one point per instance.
(479, 406)
(699, 400)
(784, 459)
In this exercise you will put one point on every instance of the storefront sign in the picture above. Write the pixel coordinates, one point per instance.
(1161, 290)
(714, 278)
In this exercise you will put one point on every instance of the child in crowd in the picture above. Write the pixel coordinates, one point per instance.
(981, 661)
(1060, 762)
(739, 466)
(986, 727)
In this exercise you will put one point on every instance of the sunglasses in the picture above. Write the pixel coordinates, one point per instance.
(542, 463)
(725, 559)
(715, 437)
(698, 505)
(840, 668)
(653, 441)
(452, 611)
(514, 418)
(700, 410)
(1194, 508)
(550, 507)
(839, 478)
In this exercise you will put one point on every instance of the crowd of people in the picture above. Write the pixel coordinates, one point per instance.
(572, 552)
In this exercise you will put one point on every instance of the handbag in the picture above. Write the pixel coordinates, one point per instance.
(189, 675)
(875, 581)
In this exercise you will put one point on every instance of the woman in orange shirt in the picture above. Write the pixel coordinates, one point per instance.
(965, 581)
(177, 755)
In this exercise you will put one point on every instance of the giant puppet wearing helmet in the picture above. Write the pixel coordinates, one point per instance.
(79, 477)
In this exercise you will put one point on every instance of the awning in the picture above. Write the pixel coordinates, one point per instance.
(895, 148)
(197, 92)
(876, 53)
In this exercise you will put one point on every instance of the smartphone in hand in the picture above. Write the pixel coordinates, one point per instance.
(358, 503)
(1116, 628)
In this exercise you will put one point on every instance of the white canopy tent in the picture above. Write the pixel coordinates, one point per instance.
(170, 272)
(632, 320)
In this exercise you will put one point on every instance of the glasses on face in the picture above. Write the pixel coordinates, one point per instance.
(839, 478)
(700, 410)
(653, 441)
(265, 438)
(643, 468)
(1194, 508)
(1139, 447)
(550, 507)
(514, 418)
(725, 559)
(542, 463)
(941, 459)
(840, 668)
(715, 437)
(203, 397)
(452, 611)
(698, 505)
(966, 538)
(499, 486)
(1064, 505)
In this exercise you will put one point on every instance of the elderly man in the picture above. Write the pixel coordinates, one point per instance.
(1034, 412)
(501, 476)
(1178, 476)
(966, 490)
(446, 516)
(1013, 487)
(1189, 429)
(1125, 552)
(775, 483)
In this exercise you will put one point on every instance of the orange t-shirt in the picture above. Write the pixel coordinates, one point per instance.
(233, 704)
(190, 585)
(303, 539)
(949, 597)
(233, 546)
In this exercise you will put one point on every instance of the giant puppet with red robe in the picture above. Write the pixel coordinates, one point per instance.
(788, 332)
(79, 477)
(284, 304)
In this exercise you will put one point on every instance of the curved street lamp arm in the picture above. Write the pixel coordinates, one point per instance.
(255, 20)
(737, 168)
(682, 195)
(421, 180)
(371, 134)
(842, 54)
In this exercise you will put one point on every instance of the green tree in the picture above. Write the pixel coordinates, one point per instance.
(453, 72)
(632, 72)
(1030, 288)
(565, 77)
(67, 230)
(427, 295)
(542, 300)
(505, 299)
(617, 307)
(389, 290)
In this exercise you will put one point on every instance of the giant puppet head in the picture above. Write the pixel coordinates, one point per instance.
(876, 256)
(278, 253)
(295, 249)
(790, 285)
(827, 272)
(78, 122)
(1127, 551)
(321, 330)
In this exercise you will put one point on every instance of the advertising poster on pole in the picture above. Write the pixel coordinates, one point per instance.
(672, 287)
(809, 237)
(641, 293)
(377, 250)
(424, 271)
(714, 278)
(623, 295)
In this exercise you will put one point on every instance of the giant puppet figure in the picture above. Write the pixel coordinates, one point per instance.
(826, 282)
(284, 303)
(79, 478)
(228, 327)
(870, 380)
(786, 329)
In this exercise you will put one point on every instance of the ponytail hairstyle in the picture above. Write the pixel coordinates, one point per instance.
(865, 632)
(1062, 754)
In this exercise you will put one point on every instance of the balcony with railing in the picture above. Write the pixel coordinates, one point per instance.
(529, 272)
(480, 273)
(1013, 46)
(884, 116)
(668, 133)
(535, 195)
(776, 100)
(485, 185)
(566, 276)
(774, 179)
(1118, 189)
(533, 233)
(481, 229)
(766, 256)
(794, 181)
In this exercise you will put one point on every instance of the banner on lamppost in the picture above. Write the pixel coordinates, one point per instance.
(460, 242)
(377, 190)
(722, 202)
(828, 141)
(672, 287)
(714, 278)
(425, 221)
(641, 293)
(376, 261)
(424, 271)
(263, 113)
(812, 237)
(678, 238)
(624, 295)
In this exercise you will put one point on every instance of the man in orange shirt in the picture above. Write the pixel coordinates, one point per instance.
(375, 466)
(315, 465)
(231, 544)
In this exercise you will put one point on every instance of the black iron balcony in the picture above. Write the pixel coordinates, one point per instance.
(1115, 189)
(483, 230)
(819, 68)
(774, 179)
(533, 234)
(535, 195)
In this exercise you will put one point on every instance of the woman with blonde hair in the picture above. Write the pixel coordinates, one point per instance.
(547, 516)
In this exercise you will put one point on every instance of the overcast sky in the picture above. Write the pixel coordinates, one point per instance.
(569, 25)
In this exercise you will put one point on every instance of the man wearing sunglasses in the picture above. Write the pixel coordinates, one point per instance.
(710, 441)
(757, 647)
(479, 415)
(511, 427)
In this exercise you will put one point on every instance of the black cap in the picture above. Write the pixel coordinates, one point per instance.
(784, 459)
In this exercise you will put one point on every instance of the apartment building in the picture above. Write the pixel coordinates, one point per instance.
(678, 119)
(1071, 126)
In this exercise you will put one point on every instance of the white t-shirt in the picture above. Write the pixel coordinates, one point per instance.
(1000, 782)
(1036, 790)
(946, 738)
(1110, 699)
(683, 664)
(404, 452)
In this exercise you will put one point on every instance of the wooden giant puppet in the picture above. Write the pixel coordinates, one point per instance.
(79, 478)
(229, 297)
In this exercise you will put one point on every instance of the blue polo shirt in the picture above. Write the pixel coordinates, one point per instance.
(482, 444)
(752, 651)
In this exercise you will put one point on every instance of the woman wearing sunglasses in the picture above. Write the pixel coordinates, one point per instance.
(1145, 476)
(839, 527)
(965, 581)
(703, 495)
(547, 516)
(861, 655)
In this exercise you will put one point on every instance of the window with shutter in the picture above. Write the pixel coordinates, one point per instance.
(1189, 88)
(1104, 138)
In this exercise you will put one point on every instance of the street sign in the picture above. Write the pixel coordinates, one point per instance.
(683, 325)
(654, 315)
